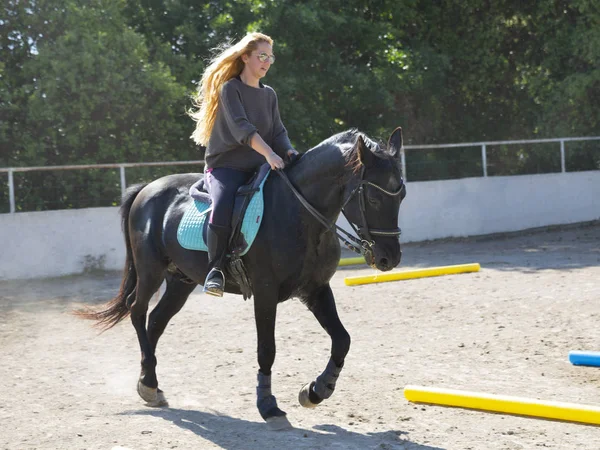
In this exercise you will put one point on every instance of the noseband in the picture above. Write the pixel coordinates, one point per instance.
(363, 244)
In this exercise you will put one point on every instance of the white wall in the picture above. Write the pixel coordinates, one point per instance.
(475, 206)
(55, 243)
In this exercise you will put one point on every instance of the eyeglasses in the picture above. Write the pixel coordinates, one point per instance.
(263, 57)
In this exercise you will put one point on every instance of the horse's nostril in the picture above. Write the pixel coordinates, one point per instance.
(383, 262)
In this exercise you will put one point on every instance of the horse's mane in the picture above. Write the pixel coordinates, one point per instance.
(342, 142)
(345, 137)
(336, 151)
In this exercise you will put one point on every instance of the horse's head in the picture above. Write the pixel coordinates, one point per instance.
(373, 197)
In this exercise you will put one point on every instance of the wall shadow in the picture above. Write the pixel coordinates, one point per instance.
(556, 248)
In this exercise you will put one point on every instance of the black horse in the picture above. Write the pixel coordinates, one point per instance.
(295, 253)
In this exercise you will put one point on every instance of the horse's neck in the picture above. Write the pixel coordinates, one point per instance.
(320, 179)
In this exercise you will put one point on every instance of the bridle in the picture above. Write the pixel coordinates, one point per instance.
(363, 244)
(363, 231)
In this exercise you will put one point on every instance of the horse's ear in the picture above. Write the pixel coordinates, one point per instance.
(395, 143)
(363, 151)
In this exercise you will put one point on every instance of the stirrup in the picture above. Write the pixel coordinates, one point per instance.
(213, 285)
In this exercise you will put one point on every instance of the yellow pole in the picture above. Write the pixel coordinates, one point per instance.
(352, 261)
(410, 274)
(571, 412)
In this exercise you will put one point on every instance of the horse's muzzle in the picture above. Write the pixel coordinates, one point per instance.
(385, 258)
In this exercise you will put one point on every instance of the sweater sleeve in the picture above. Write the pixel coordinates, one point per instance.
(281, 141)
(235, 115)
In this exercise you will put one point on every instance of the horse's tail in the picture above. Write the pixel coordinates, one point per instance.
(112, 312)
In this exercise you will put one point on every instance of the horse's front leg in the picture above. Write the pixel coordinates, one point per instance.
(322, 305)
(265, 310)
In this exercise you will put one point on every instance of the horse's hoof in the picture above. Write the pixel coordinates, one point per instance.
(152, 396)
(304, 396)
(278, 423)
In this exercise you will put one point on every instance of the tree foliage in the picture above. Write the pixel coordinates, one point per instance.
(90, 81)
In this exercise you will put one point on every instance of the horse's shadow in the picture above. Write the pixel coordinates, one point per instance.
(232, 433)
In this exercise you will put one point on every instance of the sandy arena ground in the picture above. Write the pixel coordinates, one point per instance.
(505, 330)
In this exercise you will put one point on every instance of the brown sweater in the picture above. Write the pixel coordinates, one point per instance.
(244, 110)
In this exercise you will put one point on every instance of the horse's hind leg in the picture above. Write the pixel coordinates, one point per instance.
(175, 296)
(150, 276)
(322, 305)
(171, 302)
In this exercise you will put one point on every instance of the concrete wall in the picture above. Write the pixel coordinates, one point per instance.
(55, 243)
(476, 206)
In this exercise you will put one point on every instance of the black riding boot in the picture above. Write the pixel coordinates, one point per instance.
(217, 238)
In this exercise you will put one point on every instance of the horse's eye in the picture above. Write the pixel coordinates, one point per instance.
(372, 200)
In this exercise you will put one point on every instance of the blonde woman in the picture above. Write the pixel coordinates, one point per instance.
(238, 121)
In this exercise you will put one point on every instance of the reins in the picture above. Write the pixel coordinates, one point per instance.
(358, 245)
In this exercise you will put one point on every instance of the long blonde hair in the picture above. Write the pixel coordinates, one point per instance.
(223, 67)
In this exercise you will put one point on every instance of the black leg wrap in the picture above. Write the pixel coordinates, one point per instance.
(314, 398)
(325, 383)
(265, 400)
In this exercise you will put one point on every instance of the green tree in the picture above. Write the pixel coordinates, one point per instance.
(110, 80)
(561, 71)
(89, 95)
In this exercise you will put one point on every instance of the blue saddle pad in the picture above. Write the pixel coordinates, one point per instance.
(190, 232)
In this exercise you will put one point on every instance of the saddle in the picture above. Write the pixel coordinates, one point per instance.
(246, 219)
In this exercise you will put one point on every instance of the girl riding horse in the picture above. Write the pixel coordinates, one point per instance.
(238, 121)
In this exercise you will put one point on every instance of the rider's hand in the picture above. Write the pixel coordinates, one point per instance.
(292, 156)
(275, 161)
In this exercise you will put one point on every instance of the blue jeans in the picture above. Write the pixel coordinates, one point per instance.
(223, 183)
